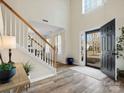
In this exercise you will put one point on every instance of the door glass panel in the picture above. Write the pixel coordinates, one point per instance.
(93, 49)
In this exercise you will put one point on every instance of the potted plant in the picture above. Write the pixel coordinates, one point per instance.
(120, 50)
(120, 44)
(27, 68)
(7, 71)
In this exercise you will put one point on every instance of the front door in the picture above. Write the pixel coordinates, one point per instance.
(108, 49)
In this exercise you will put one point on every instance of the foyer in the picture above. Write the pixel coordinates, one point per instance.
(68, 46)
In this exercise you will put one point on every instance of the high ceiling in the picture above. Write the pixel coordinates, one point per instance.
(45, 28)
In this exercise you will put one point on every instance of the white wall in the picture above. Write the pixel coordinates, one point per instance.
(79, 22)
(55, 11)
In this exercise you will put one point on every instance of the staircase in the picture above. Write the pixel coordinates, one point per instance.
(27, 37)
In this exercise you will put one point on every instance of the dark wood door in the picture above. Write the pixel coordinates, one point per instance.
(108, 49)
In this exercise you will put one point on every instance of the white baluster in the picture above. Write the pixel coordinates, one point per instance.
(21, 34)
(33, 45)
(10, 22)
(17, 31)
(52, 58)
(5, 20)
(42, 51)
(13, 25)
(25, 36)
(38, 46)
(29, 42)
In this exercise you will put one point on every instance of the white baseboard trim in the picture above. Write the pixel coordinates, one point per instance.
(79, 64)
(41, 78)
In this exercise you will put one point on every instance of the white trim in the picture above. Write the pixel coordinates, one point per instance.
(82, 62)
(83, 32)
(41, 78)
(79, 63)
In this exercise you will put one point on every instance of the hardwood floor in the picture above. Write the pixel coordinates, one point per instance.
(70, 81)
(61, 67)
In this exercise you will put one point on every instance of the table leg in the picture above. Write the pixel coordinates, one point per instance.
(19, 90)
(11, 91)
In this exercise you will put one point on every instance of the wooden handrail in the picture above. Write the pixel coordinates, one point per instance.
(26, 22)
(35, 41)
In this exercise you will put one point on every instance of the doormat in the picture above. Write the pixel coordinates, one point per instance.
(94, 73)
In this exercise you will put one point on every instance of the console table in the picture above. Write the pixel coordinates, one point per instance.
(18, 83)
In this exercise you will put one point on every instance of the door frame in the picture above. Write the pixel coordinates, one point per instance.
(95, 30)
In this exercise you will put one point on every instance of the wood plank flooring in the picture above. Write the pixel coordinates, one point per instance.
(70, 81)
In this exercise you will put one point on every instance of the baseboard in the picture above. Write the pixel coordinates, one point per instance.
(61, 62)
(79, 64)
(41, 78)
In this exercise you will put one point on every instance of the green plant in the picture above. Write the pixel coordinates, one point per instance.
(6, 67)
(120, 44)
(27, 67)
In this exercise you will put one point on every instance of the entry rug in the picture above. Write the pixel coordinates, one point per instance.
(94, 73)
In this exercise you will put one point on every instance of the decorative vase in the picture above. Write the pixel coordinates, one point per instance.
(5, 76)
(70, 61)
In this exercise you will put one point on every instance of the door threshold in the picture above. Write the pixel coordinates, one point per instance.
(93, 67)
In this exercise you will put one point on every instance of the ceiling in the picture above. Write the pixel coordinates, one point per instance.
(45, 28)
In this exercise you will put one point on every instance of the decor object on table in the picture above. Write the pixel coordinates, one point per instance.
(27, 67)
(8, 42)
(7, 70)
(18, 84)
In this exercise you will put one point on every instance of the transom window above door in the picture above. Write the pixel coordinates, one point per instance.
(90, 5)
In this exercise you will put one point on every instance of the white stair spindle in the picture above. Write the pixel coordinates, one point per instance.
(21, 34)
(25, 36)
(5, 19)
(10, 22)
(17, 30)
(13, 26)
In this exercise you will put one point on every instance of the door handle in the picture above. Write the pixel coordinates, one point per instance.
(113, 53)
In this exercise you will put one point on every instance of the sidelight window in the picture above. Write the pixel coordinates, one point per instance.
(58, 42)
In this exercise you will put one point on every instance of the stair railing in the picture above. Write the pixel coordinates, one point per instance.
(26, 35)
